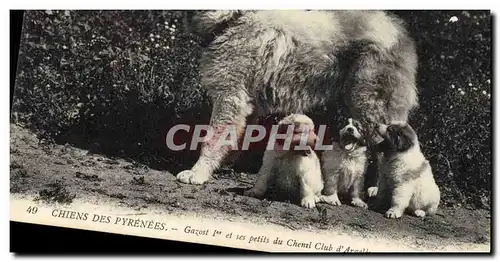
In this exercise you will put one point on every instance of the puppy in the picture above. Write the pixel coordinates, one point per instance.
(294, 170)
(406, 182)
(344, 167)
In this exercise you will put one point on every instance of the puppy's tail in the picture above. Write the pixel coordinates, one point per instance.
(208, 24)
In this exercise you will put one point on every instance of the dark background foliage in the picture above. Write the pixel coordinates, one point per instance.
(115, 81)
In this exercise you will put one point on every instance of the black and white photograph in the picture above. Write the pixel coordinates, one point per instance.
(273, 130)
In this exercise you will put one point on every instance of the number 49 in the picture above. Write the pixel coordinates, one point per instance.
(32, 210)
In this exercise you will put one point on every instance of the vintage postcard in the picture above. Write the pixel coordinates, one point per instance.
(344, 131)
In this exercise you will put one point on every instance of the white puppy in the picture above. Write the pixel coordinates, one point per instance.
(406, 182)
(292, 170)
(344, 167)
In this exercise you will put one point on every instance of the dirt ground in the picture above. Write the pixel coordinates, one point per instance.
(62, 173)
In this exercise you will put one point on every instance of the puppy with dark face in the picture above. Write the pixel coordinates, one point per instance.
(406, 182)
(294, 171)
(344, 167)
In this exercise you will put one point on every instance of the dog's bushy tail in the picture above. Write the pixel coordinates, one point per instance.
(208, 24)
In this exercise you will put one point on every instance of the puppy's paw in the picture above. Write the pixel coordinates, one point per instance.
(190, 177)
(393, 213)
(308, 202)
(357, 202)
(331, 199)
(419, 213)
(372, 191)
(254, 192)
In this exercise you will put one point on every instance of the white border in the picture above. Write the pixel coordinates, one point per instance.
(254, 4)
(205, 4)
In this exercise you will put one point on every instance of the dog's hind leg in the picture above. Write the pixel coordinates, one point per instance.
(229, 113)
(432, 209)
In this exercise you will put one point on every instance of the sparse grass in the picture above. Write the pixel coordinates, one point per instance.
(55, 192)
(15, 165)
(94, 178)
(21, 173)
(139, 181)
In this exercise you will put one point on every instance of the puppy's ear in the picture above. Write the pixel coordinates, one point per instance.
(402, 142)
(383, 146)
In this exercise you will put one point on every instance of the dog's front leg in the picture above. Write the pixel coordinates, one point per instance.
(330, 191)
(264, 176)
(307, 197)
(228, 116)
(400, 199)
(235, 155)
(311, 185)
(357, 188)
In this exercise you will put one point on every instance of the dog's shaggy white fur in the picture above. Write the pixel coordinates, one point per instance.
(344, 167)
(260, 62)
(406, 181)
(291, 170)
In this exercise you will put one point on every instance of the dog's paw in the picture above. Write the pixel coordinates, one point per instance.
(372, 191)
(419, 213)
(254, 192)
(308, 202)
(393, 213)
(190, 177)
(331, 199)
(357, 202)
